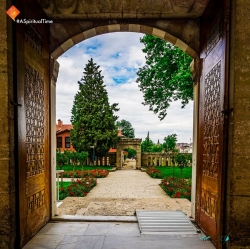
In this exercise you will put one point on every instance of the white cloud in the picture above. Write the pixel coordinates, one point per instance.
(119, 56)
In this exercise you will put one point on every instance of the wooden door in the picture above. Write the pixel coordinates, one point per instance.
(212, 122)
(33, 120)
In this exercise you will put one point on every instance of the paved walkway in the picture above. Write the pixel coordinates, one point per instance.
(109, 235)
(128, 184)
(120, 193)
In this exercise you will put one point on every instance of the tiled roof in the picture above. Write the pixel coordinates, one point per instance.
(63, 128)
(112, 150)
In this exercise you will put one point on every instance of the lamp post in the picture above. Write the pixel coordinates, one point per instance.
(93, 154)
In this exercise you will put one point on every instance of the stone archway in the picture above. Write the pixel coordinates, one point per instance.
(181, 33)
(124, 143)
(172, 17)
(161, 29)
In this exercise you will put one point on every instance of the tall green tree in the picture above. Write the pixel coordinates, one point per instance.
(166, 77)
(93, 118)
(127, 129)
(147, 144)
(169, 143)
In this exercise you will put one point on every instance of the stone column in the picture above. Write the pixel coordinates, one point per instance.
(138, 157)
(165, 160)
(53, 133)
(238, 168)
(118, 157)
(160, 161)
(169, 161)
(151, 160)
(194, 156)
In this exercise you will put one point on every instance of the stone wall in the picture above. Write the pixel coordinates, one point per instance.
(7, 164)
(124, 143)
(238, 172)
(157, 159)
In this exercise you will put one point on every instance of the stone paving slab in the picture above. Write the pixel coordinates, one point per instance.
(96, 218)
(109, 235)
(127, 184)
(120, 194)
(119, 206)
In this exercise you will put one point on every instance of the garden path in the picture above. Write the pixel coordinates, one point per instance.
(120, 194)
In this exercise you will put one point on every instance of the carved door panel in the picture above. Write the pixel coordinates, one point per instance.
(212, 125)
(33, 121)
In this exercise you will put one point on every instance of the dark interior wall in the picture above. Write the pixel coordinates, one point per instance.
(7, 163)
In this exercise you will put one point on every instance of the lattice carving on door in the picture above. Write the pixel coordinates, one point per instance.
(34, 103)
(212, 119)
(209, 203)
(35, 201)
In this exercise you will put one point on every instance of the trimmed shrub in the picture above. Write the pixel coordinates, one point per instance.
(153, 172)
(78, 188)
(177, 188)
(97, 173)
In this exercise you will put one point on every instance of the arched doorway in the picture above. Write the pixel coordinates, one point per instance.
(32, 54)
(122, 145)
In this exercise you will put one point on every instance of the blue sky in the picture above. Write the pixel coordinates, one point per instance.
(119, 56)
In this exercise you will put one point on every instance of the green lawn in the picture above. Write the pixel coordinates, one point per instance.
(78, 167)
(61, 184)
(64, 184)
(168, 172)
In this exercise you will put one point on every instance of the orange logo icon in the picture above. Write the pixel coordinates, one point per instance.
(13, 12)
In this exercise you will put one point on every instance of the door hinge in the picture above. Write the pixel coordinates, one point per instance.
(15, 104)
(227, 111)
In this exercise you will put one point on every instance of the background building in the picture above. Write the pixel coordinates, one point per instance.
(63, 136)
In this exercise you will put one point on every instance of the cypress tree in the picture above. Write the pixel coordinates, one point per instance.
(93, 117)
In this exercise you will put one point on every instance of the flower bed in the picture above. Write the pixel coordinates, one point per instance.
(177, 188)
(97, 173)
(78, 188)
(153, 172)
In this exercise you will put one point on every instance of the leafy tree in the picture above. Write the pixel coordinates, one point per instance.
(157, 147)
(181, 160)
(74, 160)
(166, 77)
(93, 117)
(61, 159)
(170, 143)
(147, 144)
(131, 152)
(67, 154)
(127, 129)
(189, 158)
(81, 158)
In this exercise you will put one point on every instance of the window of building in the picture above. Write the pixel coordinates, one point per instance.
(59, 142)
(67, 142)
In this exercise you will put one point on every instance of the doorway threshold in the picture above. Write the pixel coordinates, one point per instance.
(131, 219)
